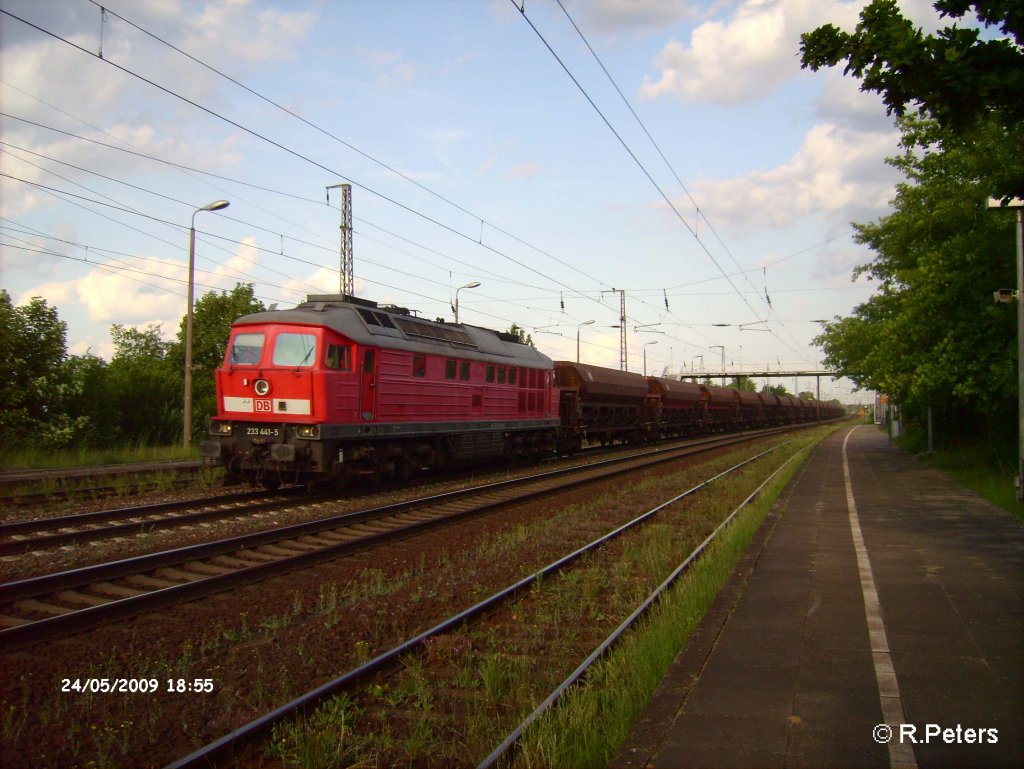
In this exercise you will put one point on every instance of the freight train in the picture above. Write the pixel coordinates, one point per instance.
(340, 388)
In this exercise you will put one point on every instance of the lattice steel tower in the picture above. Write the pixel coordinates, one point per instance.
(623, 347)
(345, 252)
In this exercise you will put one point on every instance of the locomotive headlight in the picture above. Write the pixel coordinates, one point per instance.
(308, 431)
(220, 428)
(261, 386)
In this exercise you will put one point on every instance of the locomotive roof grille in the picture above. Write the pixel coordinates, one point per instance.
(367, 323)
(375, 318)
(455, 336)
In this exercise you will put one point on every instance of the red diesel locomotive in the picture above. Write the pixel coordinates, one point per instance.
(340, 388)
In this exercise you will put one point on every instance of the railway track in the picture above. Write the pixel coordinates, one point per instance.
(40, 608)
(351, 682)
(42, 533)
(93, 482)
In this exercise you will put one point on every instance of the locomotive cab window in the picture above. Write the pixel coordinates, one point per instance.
(339, 357)
(246, 349)
(294, 350)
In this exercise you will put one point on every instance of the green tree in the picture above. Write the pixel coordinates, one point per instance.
(520, 335)
(744, 383)
(931, 335)
(778, 389)
(88, 401)
(957, 76)
(145, 387)
(212, 316)
(33, 351)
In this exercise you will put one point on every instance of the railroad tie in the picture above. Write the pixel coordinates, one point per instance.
(82, 599)
(118, 591)
(31, 604)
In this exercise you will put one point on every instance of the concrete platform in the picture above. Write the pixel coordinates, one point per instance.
(899, 604)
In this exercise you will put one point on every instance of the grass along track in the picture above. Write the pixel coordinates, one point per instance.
(263, 648)
(53, 605)
(444, 704)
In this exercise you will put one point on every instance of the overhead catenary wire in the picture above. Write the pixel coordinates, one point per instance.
(699, 214)
(630, 152)
(302, 198)
(258, 248)
(473, 238)
(117, 206)
(636, 160)
(293, 152)
(483, 221)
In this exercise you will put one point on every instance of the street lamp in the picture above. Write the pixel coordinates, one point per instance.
(474, 284)
(646, 344)
(216, 205)
(722, 348)
(1018, 204)
(584, 323)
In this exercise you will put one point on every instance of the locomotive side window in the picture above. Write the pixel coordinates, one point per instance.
(449, 369)
(294, 350)
(512, 375)
(501, 375)
(419, 366)
(464, 370)
(339, 357)
(490, 372)
(246, 350)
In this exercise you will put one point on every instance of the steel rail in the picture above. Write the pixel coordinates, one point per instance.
(81, 619)
(213, 509)
(516, 734)
(206, 755)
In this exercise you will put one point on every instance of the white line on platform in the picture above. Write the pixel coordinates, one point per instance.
(901, 756)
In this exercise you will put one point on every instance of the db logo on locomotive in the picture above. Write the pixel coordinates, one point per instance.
(263, 404)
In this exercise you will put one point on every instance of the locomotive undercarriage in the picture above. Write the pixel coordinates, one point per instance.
(285, 459)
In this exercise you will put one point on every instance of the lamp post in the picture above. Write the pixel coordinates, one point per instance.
(1018, 204)
(693, 368)
(216, 205)
(584, 323)
(722, 348)
(474, 284)
(646, 345)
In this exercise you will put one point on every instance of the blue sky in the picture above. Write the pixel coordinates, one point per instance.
(473, 157)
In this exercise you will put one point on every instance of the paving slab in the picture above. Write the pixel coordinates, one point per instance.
(913, 605)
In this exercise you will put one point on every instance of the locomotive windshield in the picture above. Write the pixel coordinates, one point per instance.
(246, 350)
(295, 350)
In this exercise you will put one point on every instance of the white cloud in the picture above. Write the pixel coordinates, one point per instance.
(835, 175)
(244, 260)
(233, 30)
(746, 56)
(324, 279)
(117, 297)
